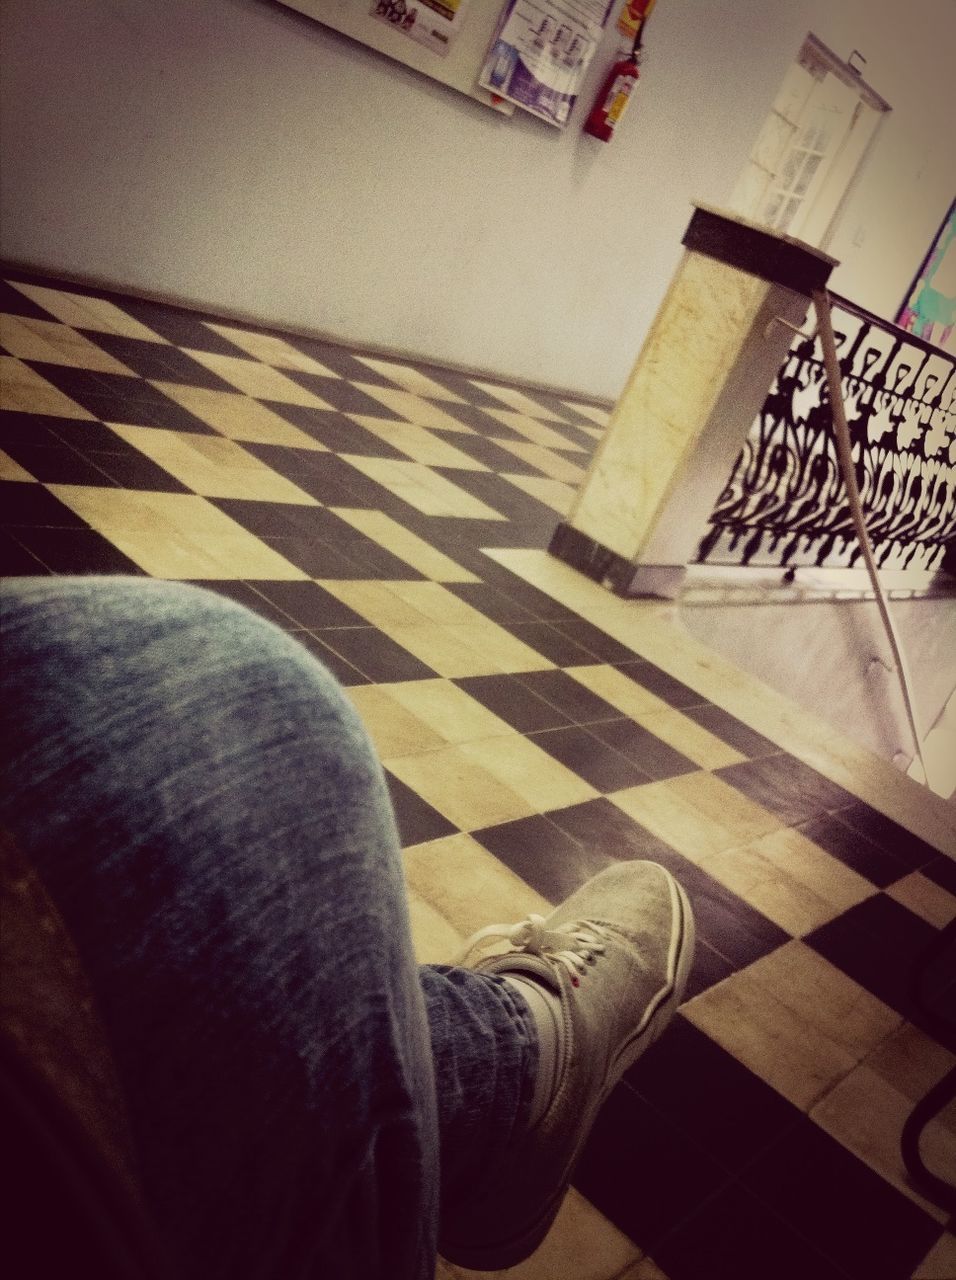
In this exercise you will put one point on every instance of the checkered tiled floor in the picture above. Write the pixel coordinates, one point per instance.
(392, 517)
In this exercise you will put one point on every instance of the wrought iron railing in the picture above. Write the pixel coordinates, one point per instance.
(785, 502)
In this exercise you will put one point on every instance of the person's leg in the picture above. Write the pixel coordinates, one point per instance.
(204, 807)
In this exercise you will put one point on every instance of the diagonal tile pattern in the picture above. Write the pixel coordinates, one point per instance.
(392, 516)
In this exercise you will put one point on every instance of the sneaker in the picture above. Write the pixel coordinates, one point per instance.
(614, 960)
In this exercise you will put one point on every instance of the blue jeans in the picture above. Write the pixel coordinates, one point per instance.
(203, 805)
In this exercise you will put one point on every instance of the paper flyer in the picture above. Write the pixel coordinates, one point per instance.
(432, 23)
(540, 54)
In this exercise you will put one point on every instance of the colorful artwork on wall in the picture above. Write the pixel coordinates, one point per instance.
(930, 307)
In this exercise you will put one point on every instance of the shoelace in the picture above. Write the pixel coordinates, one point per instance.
(574, 945)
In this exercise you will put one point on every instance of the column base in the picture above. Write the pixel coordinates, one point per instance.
(614, 571)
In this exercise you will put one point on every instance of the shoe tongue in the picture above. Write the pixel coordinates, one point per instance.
(533, 966)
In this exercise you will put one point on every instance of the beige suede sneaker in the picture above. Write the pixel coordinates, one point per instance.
(614, 960)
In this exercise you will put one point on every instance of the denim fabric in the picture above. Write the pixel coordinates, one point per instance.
(206, 811)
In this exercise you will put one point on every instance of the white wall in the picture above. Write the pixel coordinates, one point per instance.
(232, 154)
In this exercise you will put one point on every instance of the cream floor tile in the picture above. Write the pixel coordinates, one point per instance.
(411, 379)
(793, 855)
(456, 652)
(651, 628)
(925, 898)
(437, 603)
(521, 765)
(30, 339)
(408, 546)
(770, 888)
(11, 470)
(418, 442)
(422, 489)
(553, 493)
(940, 1261)
(434, 939)
(535, 431)
(260, 380)
(699, 814)
(175, 535)
(458, 787)
(82, 312)
(630, 698)
(414, 408)
(545, 460)
(517, 401)
(452, 713)
(776, 1043)
(378, 602)
(866, 1115)
(395, 730)
(271, 349)
(581, 1245)
(239, 417)
(213, 465)
(499, 649)
(596, 433)
(824, 997)
(468, 886)
(24, 391)
(911, 1061)
(689, 738)
(598, 416)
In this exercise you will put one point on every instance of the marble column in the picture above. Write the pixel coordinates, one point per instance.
(699, 381)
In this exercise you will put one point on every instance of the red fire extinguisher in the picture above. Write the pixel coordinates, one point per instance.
(615, 94)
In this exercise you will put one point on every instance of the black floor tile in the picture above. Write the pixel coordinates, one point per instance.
(889, 835)
(571, 698)
(660, 683)
(376, 655)
(337, 432)
(263, 519)
(508, 698)
(48, 431)
(942, 871)
(854, 850)
(25, 505)
(183, 328)
(604, 768)
(641, 1171)
(786, 786)
(733, 1236)
(849, 1212)
(597, 642)
(730, 730)
(542, 855)
(243, 593)
(308, 605)
(16, 561)
(159, 360)
(537, 602)
(76, 551)
(83, 385)
(481, 449)
(643, 748)
(342, 394)
(708, 968)
(133, 470)
(552, 644)
(58, 465)
(607, 833)
(489, 601)
(344, 671)
(317, 559)
(15, 303)
(878, 943)
(338, 359)
(417, 821)
(711, 1097)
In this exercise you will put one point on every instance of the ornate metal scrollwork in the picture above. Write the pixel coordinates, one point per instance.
(785, 502)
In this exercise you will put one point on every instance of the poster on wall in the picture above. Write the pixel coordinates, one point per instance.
(541, 52)
(930, 307)
(432, 23)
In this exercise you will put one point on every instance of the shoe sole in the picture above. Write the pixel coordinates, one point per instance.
(504, 1254)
